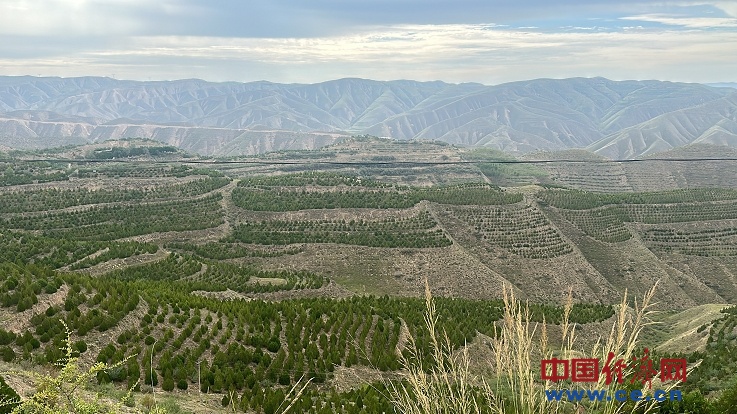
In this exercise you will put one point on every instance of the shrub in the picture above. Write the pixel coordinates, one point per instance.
(63, 392)
(7, 353)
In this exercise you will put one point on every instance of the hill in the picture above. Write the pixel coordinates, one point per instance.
(225, 281)
(615, 119)
(661, 171)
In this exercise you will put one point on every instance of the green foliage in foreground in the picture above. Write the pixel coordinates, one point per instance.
(257, 349)
(66, 390)
(7, 395)
(694, 402)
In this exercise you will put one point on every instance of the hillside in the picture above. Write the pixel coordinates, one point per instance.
(225, 285)
(601, 227)
(668, 170)
(621, 119)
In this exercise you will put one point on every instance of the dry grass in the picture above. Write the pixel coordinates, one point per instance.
(443, 389)
(516, 386)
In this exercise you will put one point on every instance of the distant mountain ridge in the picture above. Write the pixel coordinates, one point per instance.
(616, 119)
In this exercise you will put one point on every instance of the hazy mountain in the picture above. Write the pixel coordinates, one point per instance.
(615, 119)
(714, 122)
(732, 85)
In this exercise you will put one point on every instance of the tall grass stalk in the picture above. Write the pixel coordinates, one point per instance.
(516, 387)
(447, 385)
(443, 388)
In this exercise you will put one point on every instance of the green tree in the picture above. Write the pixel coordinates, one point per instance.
(8, 397)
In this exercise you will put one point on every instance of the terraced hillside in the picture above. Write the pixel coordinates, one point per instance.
(239, 279)
(668, 170)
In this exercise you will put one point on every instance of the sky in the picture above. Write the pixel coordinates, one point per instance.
(310, 41)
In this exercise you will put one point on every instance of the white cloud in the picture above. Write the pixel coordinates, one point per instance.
(728, 7)
(68, 18)
(455, 53)
(64, 17)
(686, 21)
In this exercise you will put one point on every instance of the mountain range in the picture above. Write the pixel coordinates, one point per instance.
(615, 119)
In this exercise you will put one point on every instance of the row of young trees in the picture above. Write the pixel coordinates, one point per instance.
(584, 200)
(116, 250)
(719, 359)
(223, 251)
(521, 229)
(114, 170)
(53, 199)
(212, 276)
(126, 152)
(417, 231)
(707, 243)
(116, 222)
(603, 216)
(18, 247)
(604, 224)
(309, 178)
(293, 200)
(607, 223)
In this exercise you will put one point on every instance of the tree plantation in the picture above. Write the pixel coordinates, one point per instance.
(286, 279)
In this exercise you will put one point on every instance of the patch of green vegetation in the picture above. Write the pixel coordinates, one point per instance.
(605, 224)
(223, 251)
(18, 173)
(52, 199)
(17, 247)
(9, 396)
(114, 170)
(291, 199)
(316, 178)
(116, 222)
(500, 171)
(707, 243)
(113, 153)
(603, 216)
(417, 231)
(239, 336)
(719, 360)
(524, 231)
(213, 276)
(119, 250)
(584, 200)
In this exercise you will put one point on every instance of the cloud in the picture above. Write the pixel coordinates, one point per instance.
(686, 21)
(455, 53)
(465, 40)
(729, 8)
(72, 18)
(282, 18)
